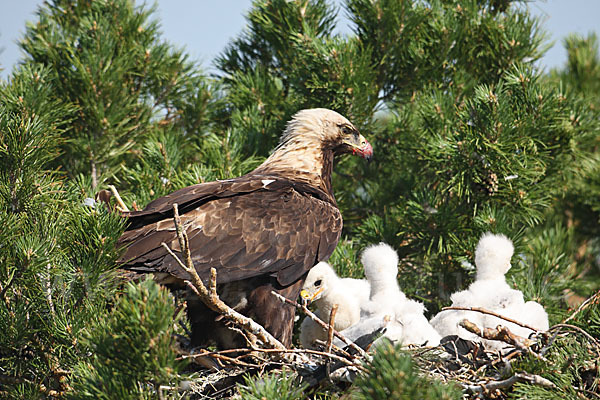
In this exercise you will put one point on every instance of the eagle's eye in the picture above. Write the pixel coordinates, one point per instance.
(347, 130)
(318, 283)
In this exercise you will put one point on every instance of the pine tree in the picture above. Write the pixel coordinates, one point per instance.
(107, 58)
(56, 253)
(97, 89)
(469, 136)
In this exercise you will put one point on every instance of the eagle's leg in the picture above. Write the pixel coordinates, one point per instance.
(208, 328)
(267, 310)
(259, 304)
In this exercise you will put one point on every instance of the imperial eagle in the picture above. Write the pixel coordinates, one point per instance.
(261, 232)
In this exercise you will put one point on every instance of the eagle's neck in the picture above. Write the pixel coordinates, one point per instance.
(302, 161)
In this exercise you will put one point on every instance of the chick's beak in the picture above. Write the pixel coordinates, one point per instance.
(307, 297)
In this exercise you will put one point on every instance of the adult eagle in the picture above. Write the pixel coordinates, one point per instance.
(261, 232)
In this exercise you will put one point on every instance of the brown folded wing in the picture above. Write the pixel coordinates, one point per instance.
(244, 227)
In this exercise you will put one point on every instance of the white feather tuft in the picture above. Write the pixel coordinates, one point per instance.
(492, 256)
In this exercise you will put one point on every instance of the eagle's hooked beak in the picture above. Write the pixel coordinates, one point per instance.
(361, 147)
(365, 150)
(307, 297)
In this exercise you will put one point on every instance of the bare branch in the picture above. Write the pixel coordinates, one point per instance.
(489, 312)
(500, 333)
(323, 325)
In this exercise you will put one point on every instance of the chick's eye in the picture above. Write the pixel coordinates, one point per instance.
(318, 283)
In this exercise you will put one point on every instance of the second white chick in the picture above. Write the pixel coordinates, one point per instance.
(380, 262)
(324, 288)
(407, 321)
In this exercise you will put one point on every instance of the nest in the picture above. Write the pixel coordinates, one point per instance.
(481, 374)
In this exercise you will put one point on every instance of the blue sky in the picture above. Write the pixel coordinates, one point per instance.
(204, 27)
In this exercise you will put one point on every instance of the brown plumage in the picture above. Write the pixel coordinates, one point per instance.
(262, 231)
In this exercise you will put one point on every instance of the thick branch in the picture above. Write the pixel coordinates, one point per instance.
(500, 333)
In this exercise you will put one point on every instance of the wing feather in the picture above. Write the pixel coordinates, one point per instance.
(241, 227)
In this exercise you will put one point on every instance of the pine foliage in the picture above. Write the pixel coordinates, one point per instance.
(393, 375)
(56, 254)
(131, 348)
(275, 385)
(107, 58)
(469, 136)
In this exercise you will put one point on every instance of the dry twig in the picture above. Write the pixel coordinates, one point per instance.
(484, 311)
(120, 203)
(583, 332)
(331, 325)
(583, 306)
(318, 320)
(222, 355)
(506, 383)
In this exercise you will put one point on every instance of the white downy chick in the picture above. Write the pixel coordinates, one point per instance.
(381, 269)
(416, 328)
(407, 322)
(492, 258)
(324, 288)
(490, 291)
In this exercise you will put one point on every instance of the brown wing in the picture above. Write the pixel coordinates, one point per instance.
(245, 227)
(189, 198)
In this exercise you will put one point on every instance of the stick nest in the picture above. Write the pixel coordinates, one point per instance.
(481, 374)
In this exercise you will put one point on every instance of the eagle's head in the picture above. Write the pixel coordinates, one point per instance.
(333, 131)
(309, 145)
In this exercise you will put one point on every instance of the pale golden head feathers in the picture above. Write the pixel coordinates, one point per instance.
(327, 128)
